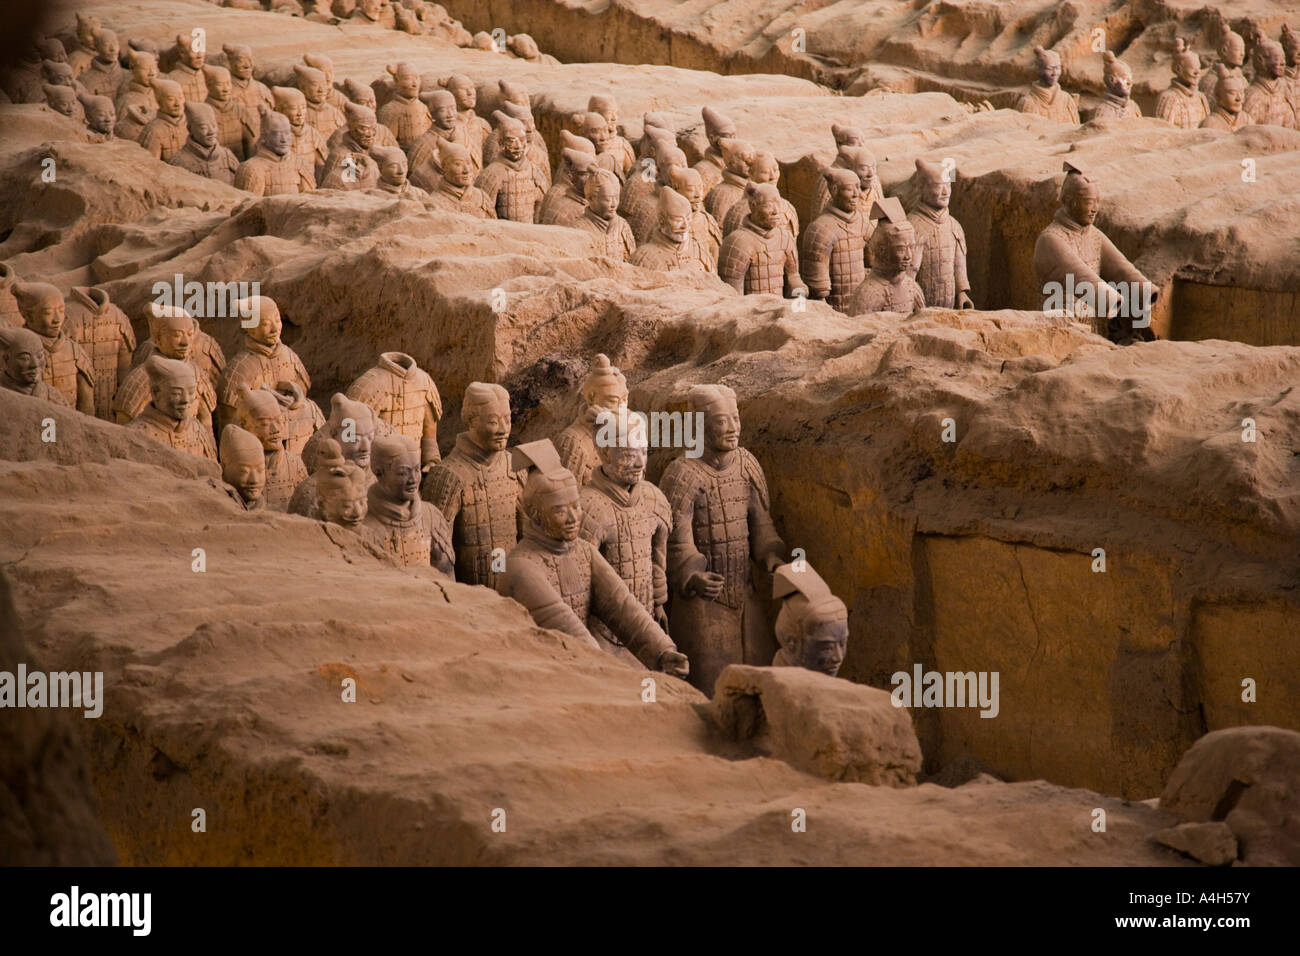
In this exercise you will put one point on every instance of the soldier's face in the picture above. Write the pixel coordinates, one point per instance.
(561, 519)
(407, 84)
(47, 318)
(268, 330)
(936, 193)
(267, 426)
(107, 47)
(765, 212)
(579, 177)
(193, 58)
(296, 112)
(764, 171)
(1234, 51)
(172, 103)
(603, 201)
(489, 427)
(248, 478)
(693, 192)
(219, 87)
(144, 71)
(175, 343)
(24, 364)
(1084, 206)
(1050, 72)
(357, 450)
(371, 8)
(823, 646)
(722, 429)
(512, 147)
(598, 133)
(278, 138)
(677, 228)
(866, 174)
(444, 115)
(1188, 70)
(175, 400)
(364, 133)
(241, 67)
(345, 506)
(466, 95)
(1274, 63)
(627, 465)
(1120, 84)
(63, 101)
(400, 480)
(1231, 96)
(846, 196)
(314, 90)
(902, 250)
(611, 398)
(204, 132)
(459, 172)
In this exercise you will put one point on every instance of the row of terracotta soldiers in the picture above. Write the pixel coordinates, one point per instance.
(1219, 98)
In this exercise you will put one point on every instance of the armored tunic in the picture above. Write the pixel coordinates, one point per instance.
(338, 173)
(237, 127)
(164, 136)
(707, 236)
(478, 493)
(737, 213)
(755, 260)
(104, 331)
(720, 519)
(510, 188)
(68, 368)
(710, 167)
(535, 153)
(612, 237)
(216, 163)
(102, 79)
(1054, 104)
(402, 394)
(407, 117)
(561, 206)
(875, 293)
(644, 216)
(1182, 106)
(304, 497)
(414, 532)
(251, 93)
(186, 435)
(630, 527)
(192, 82)
(659, 253)
(1111, 106)
(302, 416)
(834, 256)
(256, 365)
(1267, 103)
(309, 148)
(622, 154)
(325, 116)
(563, 584)
(477, 132)
(266, 174)
(469, 200)
(941, 244)
(576, 446)
(729, 191)
(635, 189)
(284, 473)
(1222, 119)
(136, 106)
(135, 392)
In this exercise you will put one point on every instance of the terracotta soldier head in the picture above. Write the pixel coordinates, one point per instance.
(606, 106)
(315, 87)
(674, 216)
(173, 387)
(1080, 196)
(1186, 64)
(580, 143)
(485, 410)
(392, 164)
(592, 126)
(1049, 66)
(361, 124)
(1230, 90)
(933, 186)
(736, 156)
(656, 139)
(624, 461)
(42, 307)
(461, 87)
(717, 403)
(341, 487)
(259, 412)
(652, 123)
(717, 127)
(243, 464)
(1290, 45)
(602, 191)
(1117, 76)
(47, 48)
(202, 121)
(862, 162)
(893, 244)
(363, 94)
(523, 46)
(457, 164)
(406, 79)
(843, 187)
(847, 136)
(395, 461)
(173, 331)
(512, 92)
(58, 73)
(269, 325)
(1232, 47)
(144, 67)
(290, 103)
(668, 159)
(107, 47)
(61, 99)
(218, 80)
(764, 204)
(442, 107)
(87, 27)
(1269, 60)
(550, 496)
(192, 54)
(239, 59)
(689, 184)
(511, 135)
(579, 167)
(605, 387)
(277, 134)
(170, 97)
(323, 63)
(24, 358)
(812, 626)
(764, 168)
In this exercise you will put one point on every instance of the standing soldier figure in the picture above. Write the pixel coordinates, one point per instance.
(940, 241)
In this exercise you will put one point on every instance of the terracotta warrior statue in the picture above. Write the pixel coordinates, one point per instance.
(274, 169)
(362, 94)
(424, 155)
(604, 389)
(670, 247)
(378, 12)
(844, 136)
(173, 334)
(101, 118)
(644, 179)
(308, 143)
(644, 215)
(564, 205)
(243, 467)
(737, 155)
(413, 531)
(342, 489)
(940, 241)
(64, 100)
(721, 521)
(888, 285)
(391, 163)
(169, 416)
(1291, 52)
(618, 147)
(84, 51)
(320, 61)
(353, 426)
(477, 129)
(629, 521)
(349, 164)
(716, 128)
(136, 103)
(251, 92)
(315, 87)
(262, 359)
(1183, 104)
(832, 254)
(302, 416)
(188, 72)
(164, 136)
(24, 361)
(764, 169)
(562, 579)
(476, 488)
(1267, 99)
(760, 256)
(508, 180)
(238, 127)
(203, 153)
(404, 396)
(535, 152)
(812, 626)
(104, 74)
(1230, 100)
(1074, 254)
(405, 114)
(610, 232)
(104, 332)
(706, 234)
(1044, 97)
(1232, 54)
(455, 190)
(259, 413)
(1116, 99)
(68, 368)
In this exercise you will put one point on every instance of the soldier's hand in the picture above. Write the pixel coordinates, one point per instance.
(661, 617)
(964, 301)
(675, 663)
(706, 584)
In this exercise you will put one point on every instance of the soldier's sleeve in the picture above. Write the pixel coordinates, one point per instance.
(208, 441)
(792, 279)
(763, 538)
(442, 489)
(594, 527)
(429, 453)
(302, 500)
(1164, 106)
(232, 162)
(684, 558)
(615, 607)
(733, 262)
(659, 547)
(959, 256)
(525, 582)
(126, 346)
(1115, 266)
(249, 179)
(488, 185)
(816, 264)
(442, 555)
(918, 296)
(152, 142)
